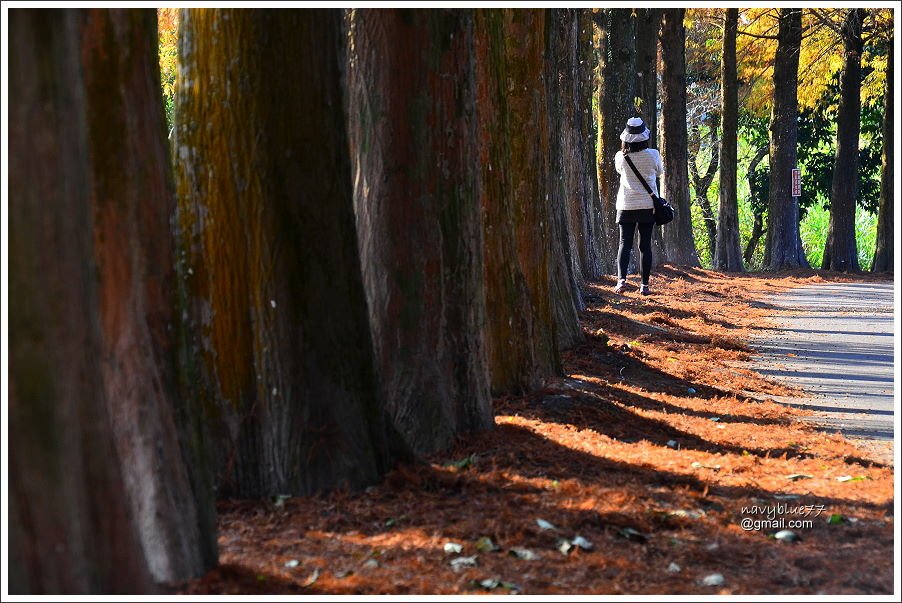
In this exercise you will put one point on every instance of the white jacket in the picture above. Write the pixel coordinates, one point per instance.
(631, 194)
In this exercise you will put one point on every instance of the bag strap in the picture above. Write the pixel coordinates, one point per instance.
(638, 175)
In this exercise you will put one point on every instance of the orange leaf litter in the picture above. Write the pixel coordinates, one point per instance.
(654, 447)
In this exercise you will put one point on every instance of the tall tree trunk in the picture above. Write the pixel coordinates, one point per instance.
(269, 255)
(728, 253)
(647, 29)
(562, 177)
(591, 250)
(518, 323)
(617, 92)
(679, 243)
(418, 217)
(71, 527)
(784, 249)
(841, 250)
(133, 200)
(884, 253)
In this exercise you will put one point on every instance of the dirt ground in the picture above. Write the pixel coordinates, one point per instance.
(651, 449)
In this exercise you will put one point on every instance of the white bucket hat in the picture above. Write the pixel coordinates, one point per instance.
(635, 130)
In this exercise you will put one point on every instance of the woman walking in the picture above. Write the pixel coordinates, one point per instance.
(635, 207)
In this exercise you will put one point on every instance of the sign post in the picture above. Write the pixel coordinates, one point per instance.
(796, 183)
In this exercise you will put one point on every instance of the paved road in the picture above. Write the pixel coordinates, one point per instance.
(841, 338)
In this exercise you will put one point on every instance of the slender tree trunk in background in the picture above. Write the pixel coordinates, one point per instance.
(564, 170)
(269, 256)
(754, 238)
(617, 93)
(701, 183)
(592, 250)
(758, 226)
(728, 254)
(71, 529)
(133, 201)
(418, 217)
(884, 254)
(841, 250)
(647, 29)
(679, 244)
(784, 249)
(519, 355)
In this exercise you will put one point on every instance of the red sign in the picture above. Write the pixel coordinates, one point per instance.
(796, 183)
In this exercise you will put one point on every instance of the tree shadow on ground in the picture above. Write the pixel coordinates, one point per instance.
(639, 518)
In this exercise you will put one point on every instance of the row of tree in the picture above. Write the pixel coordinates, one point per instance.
(347, 264)
(843, 70)
(377, 220)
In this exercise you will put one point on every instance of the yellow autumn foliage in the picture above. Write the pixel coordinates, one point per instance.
(820, 59)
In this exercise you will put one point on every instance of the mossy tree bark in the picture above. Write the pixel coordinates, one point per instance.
(883, 255)
(279, 342)
(679, 242)
(411, 92)
(727, 251)
(784, 243)
(71, 525)
(518, 350)
(133, 201)
(841, 249)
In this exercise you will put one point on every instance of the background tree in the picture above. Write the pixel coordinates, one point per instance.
(616, 104)
(784, 248)
(570, 60)
(71, 528)
(727, 255)
(269, 265)
(884, 256)
(132, 202)
(418, 215)
(840, 252)
(703, 140)
(679, 243)
(567, 171)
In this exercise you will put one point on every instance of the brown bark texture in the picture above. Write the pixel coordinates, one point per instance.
(679, 243)
(784, 245)
(565, 176)
(132, 201)
(884, 254)
(277, 346)
(411, 91)
(518, 350)
(71, 526)
(841, 249)
(727, 250)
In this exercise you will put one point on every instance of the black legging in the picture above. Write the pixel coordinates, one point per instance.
(627, 232)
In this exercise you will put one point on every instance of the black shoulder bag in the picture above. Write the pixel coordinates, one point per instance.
(663, 209)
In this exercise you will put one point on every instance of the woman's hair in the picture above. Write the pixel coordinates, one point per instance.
(630, 147)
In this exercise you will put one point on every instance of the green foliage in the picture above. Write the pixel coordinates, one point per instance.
(865, 236)
(700, 233)
(815, 225)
